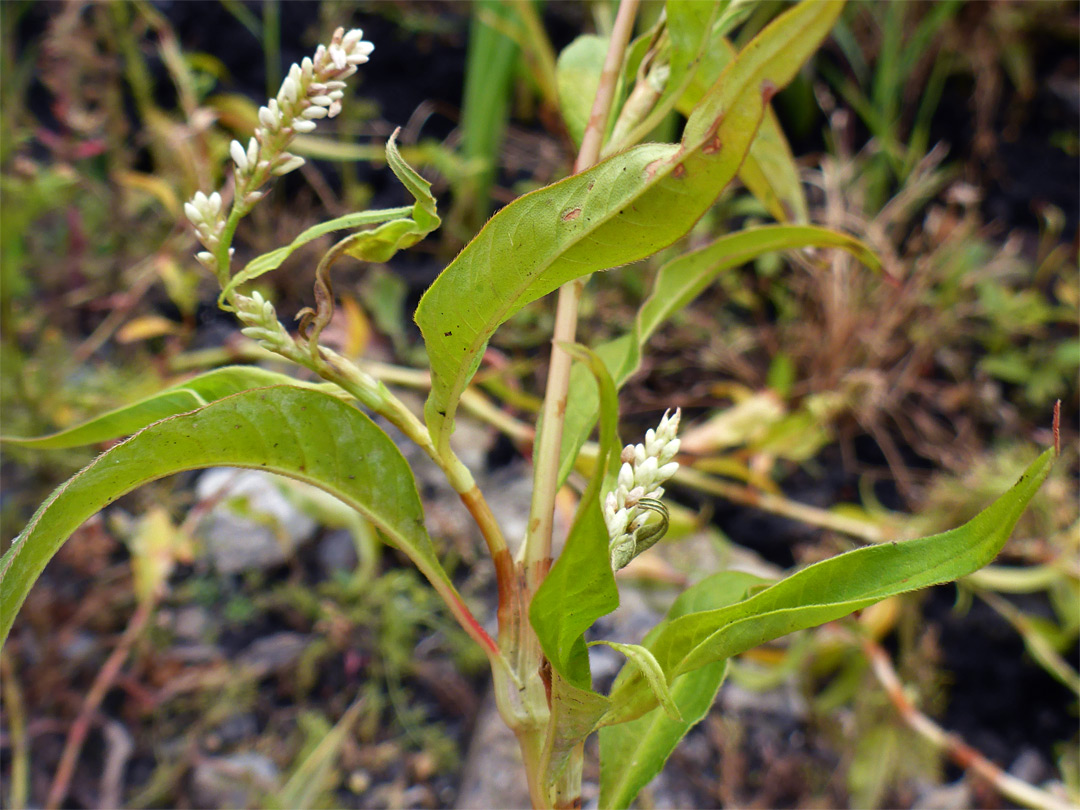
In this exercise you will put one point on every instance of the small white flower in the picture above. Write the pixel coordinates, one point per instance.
(338, 57)
(311, 91)
(239, 156)
(290, 163)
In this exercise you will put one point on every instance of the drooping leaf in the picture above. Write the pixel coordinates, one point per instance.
(383, 242)
(183, 397)
(275, 258)
(580, 587)
(677, 283)
(833, 588)
(401, 227)
(622, 210)
(650, 670)
(632, 753)
(303, 434)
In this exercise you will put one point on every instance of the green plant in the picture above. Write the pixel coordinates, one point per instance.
(624, 208)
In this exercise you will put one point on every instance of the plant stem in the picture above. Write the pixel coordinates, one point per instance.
(537, 546)
(1012, 788)
(534, 558)
(102, 683)
(19, 789)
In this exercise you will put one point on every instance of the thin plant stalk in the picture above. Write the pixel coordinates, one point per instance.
(535, 554)
(537, 546)
(19, 783)
(950, 744)
(101, 686)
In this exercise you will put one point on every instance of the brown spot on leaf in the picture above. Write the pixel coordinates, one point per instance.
(712, 147)
(768, 90)
(650, 170)
(572, 214)
(678, 171)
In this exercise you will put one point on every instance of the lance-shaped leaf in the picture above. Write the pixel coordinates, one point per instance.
(632, 753)
(677, 283)
(622, 210)
(304, 434)
(833, 588)
(580, 588)
(180, 398)
(769, 171)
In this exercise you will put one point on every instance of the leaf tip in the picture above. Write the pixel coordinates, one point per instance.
(1057, 428)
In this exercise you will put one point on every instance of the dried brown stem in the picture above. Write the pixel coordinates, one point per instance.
(102, 683)
(952, 745)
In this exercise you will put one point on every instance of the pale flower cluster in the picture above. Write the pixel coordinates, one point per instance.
(312, 90)
(644, 468)
(260, 321)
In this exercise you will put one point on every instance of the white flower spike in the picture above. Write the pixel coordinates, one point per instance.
(311, 91)
(638, 491)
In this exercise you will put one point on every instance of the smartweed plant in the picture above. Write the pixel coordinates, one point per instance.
(624, 202)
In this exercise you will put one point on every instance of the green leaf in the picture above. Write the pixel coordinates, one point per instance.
(580, 587)
(180, 398)
(677, 283)
(578, 590)
(314, 776)
(650, 669)
(424, 212)
(303, 434)
(769, 171)
(633, 752)
(833, 588)
(574, 715)
(620, 211)
(577, 74)
(489, 85)
(275, 258)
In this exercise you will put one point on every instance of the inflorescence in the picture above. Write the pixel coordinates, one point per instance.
(312, 90)
(645, 467)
